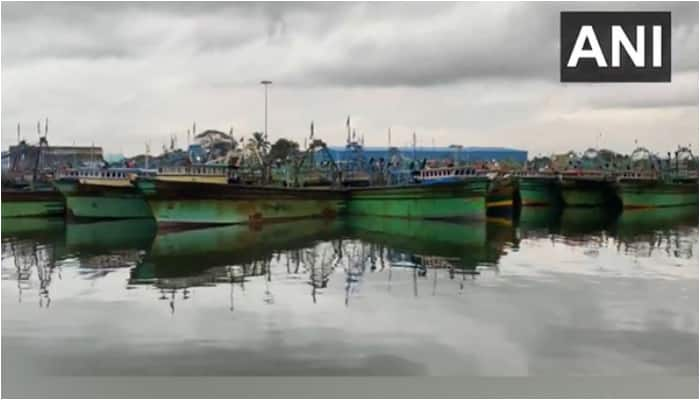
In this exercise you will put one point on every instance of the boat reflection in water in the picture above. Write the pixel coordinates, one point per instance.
(642, 232)
(318, 252)
(356, 296)
(231, 254)
(314, 250)
(32, 246)
(105, 246)
(637, 232)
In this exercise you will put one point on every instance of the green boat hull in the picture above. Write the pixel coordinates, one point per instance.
(32, 204)
(97, 201)
(587, 193)
(539, 192)
(454, 200)
(657, 194)
(204, 203)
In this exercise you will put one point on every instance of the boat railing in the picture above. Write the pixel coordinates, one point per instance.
(637, 175)
(534, 174)
(202, 170)
(447, 172)
(111, 173)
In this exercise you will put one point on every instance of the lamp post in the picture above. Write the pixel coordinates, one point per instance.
(266, 83)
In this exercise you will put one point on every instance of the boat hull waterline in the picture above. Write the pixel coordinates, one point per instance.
(32, 203)
(208, 203)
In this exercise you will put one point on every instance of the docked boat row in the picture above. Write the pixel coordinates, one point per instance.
(238, 188)
(640, 180)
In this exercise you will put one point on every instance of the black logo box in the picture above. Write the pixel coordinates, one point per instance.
(587, 69)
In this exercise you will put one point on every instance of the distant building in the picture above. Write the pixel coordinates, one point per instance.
(465, 154)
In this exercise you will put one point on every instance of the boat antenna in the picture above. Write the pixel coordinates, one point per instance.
(188, 138)
(46, 128)
(18, 137)
(311, 135)
(38, 128)
(347, 125)
(194, 129)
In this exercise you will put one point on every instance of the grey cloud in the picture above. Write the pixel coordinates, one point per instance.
(474, 73)
(358, 44)
(520, 44)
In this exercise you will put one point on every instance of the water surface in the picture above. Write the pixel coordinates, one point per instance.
(573, 292)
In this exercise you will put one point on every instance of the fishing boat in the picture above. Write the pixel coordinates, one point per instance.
(538, 183)
(649, 182)
(462, 198)
(588, 181)
(31, 201)
(103, 193)
(539, 189)
(219, 195)
(502, 188)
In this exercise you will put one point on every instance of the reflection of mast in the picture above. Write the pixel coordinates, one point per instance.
(434, 281)
(415, 282)
(355, 269)
(234, 274)
(269, 298)
(319, 275)
(32, 256)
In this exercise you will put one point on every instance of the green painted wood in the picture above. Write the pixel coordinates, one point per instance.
(455, 200)
(587, 193)
(649, 194)
(31, 203)
(539, 192)
(97, 201)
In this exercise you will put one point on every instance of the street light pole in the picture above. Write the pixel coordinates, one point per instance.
(265, 83)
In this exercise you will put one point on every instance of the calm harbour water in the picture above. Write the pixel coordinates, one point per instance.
(578, 292)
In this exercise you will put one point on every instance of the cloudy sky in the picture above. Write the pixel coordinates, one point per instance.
(121, 74)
